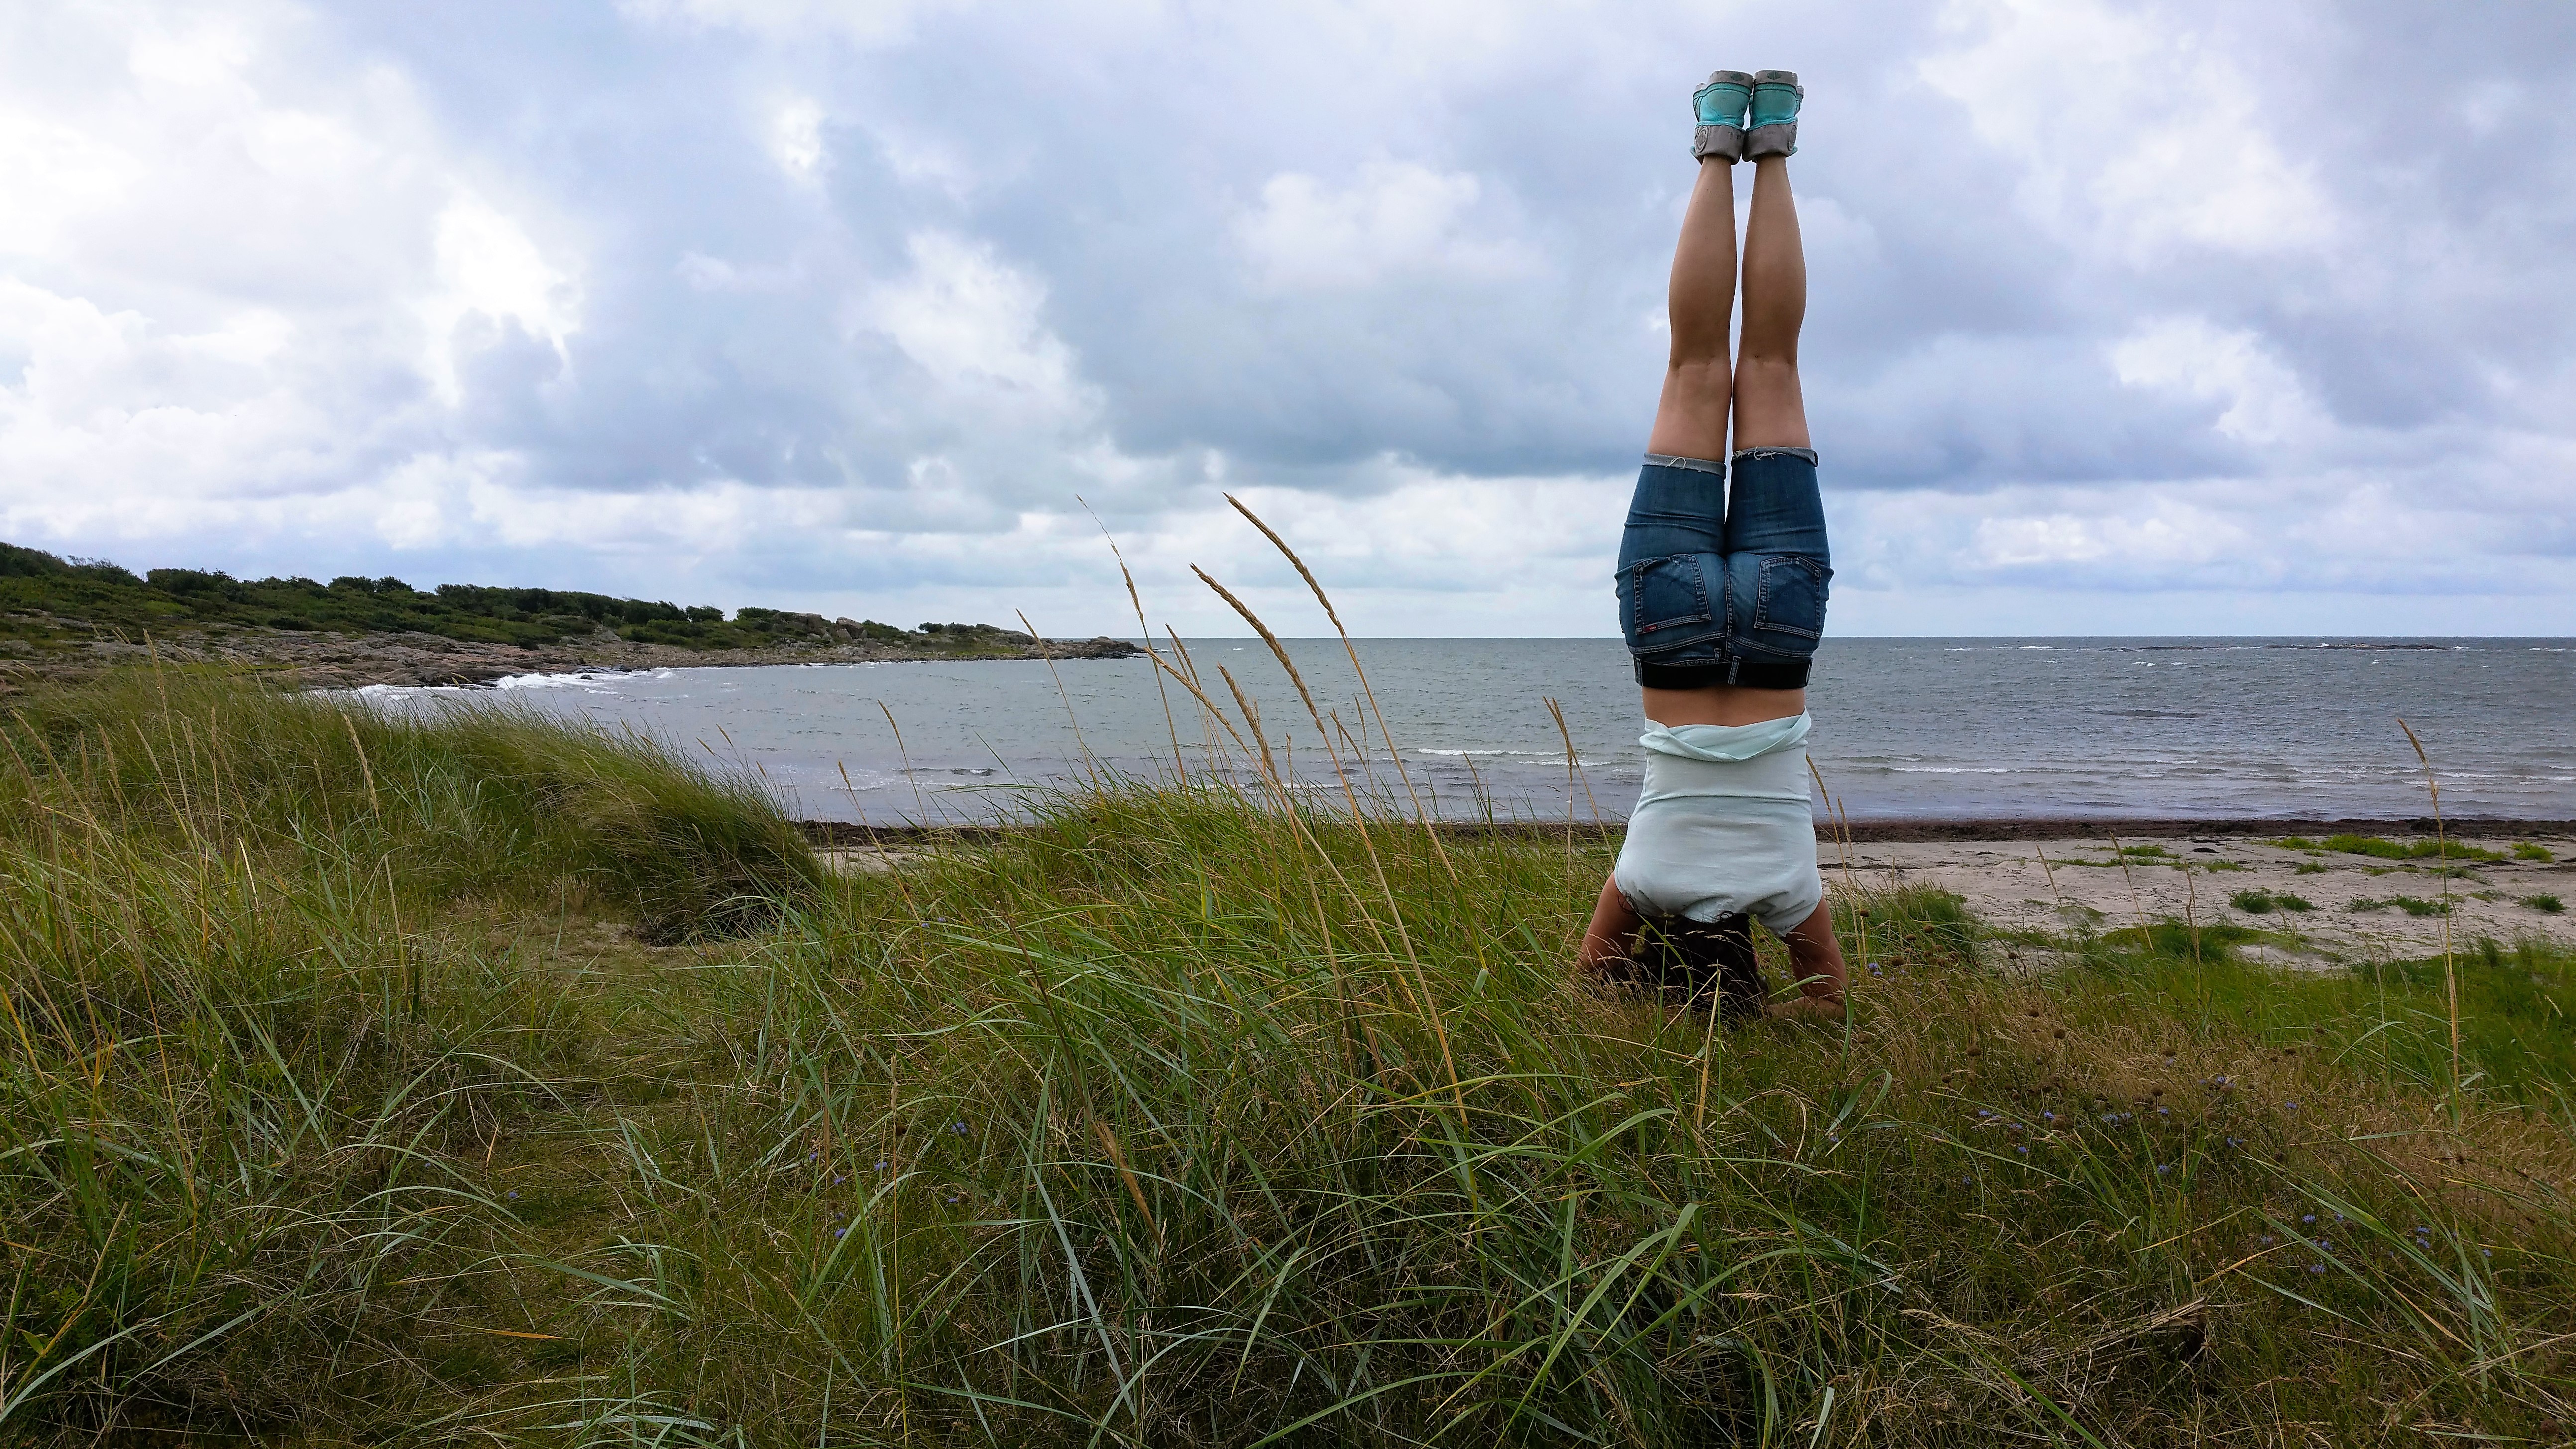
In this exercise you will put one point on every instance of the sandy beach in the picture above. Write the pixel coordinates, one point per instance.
(2358, 906)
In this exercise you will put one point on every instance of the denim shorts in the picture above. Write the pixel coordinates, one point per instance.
(1716, 591)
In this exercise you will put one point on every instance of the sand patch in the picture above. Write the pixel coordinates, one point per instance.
(2358, 907)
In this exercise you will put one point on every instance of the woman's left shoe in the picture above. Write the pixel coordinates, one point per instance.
(1772, 129)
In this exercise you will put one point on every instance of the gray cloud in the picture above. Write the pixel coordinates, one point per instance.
(782, 302)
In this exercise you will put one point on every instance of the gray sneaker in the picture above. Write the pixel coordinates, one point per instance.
(1721, 105)
(1772, 129)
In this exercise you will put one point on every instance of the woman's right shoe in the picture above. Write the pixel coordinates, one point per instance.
(1772, 129)
(1721, 105)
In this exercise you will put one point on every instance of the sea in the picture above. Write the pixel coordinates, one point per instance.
(1546, 729)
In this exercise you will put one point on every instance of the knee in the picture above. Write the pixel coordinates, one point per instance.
(1767, 368)
(1700, 367)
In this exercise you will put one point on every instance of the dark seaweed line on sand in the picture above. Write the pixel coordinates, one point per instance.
(848, 833)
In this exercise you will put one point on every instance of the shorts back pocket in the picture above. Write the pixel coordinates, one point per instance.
(1666, 603)
(1789, 602)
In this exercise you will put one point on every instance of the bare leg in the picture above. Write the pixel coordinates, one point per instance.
(1818, 960)
(1771, 412)
(1690, 422)
(1770, 409)
(1612, 936)
(1690, 419)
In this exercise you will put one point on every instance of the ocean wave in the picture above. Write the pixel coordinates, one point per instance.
(586, 679)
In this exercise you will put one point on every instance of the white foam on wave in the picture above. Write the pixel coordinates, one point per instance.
(592, 680)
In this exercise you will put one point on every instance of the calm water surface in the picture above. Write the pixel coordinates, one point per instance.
(1904, 727)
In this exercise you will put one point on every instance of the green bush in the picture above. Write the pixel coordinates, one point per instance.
(2412, 905)
(472, 798)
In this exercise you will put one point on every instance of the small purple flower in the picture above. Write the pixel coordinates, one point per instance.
(2307, 1217)
(2267, 1240)
(2024, 1151)
(1982, 1112)
(2163, 1167)
(2317, 1268)
(2048, 1116)
(2293, 1106)
(957, 1127)
(514, 1197)
(840, 1232)
(881, 1164)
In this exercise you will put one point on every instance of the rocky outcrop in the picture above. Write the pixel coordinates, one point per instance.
(349, 661)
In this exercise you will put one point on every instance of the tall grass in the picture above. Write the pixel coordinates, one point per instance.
(253, 1038)
(1180, 1117)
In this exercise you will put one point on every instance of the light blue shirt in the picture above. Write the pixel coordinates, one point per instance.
(1724, 824)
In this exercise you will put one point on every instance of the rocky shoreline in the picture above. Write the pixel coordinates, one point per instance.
(351, 661)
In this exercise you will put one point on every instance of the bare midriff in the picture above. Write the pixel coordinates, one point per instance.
(1723, 705)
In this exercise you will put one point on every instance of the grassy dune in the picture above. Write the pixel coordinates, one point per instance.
(473, 1078)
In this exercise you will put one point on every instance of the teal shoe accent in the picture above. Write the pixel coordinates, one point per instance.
(1723, 100)
(1772, 129)
(1720, 106)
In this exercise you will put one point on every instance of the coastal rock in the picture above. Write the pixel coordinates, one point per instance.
(1099, 646)
(314, 660)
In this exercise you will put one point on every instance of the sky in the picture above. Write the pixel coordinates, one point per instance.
(2147, 318)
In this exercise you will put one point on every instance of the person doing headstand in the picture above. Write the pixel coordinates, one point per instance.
(1722, 600)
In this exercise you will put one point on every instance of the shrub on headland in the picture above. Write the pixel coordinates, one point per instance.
(50, 601)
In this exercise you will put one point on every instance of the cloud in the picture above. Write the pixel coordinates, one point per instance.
(1395, 219)
(490, 271)
(796, 137)
(2121, 315)
(2140, 134)
(971, 323)
(2265, 403)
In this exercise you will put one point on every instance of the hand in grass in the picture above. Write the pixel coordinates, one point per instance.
(1826, 1009)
